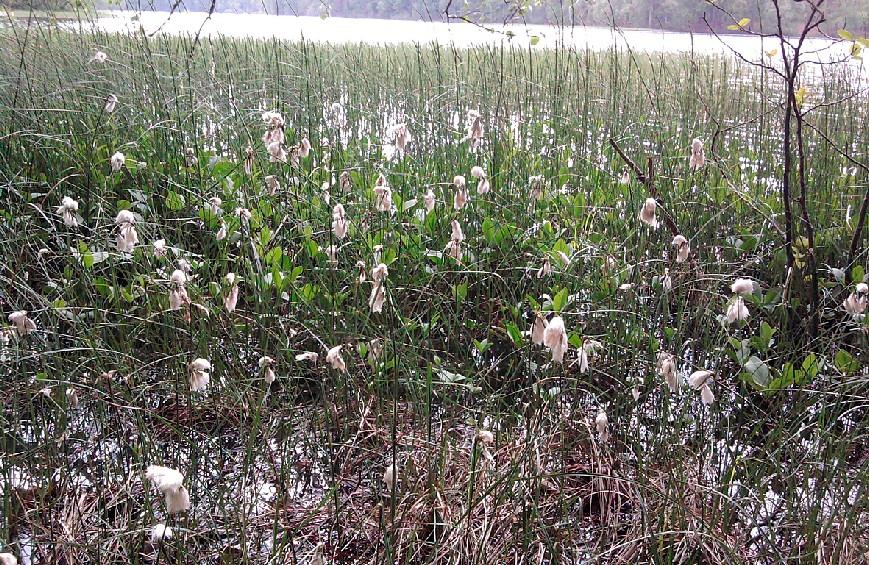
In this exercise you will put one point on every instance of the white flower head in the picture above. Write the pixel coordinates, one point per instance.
(111, 103)
(460, 198)
(383, 197)
(538, 329)
(160, 532)
(855, 305)
(536, 184)
(334, 358)
(428, 200)
(169, 482)
(339, 222)
(277, 153)
(477, 172)
(457, 234)
(601, 422)
(667, 368)
(160, 247)
(555, 338)
(308, 356)
(272, 184)
(199, 372)
(545, 270)
(68, 211)
(742, 286)
(127, 238)
(99, 57)
(698, 157)
(647, 213)
(682, 248)
(267, 366)
(117, 161)
(459, 182)
(23, 324)
(377, 298)
(230, 299)
(737, 311)
(380, 272)
(483, 186)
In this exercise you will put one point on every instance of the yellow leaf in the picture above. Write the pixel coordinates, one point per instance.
(535, 39)
(846, 35)
(800, 96)
(772, 53)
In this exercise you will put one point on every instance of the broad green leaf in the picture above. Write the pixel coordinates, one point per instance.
(758, 371)
(846, 363)
(174, 201)
(514, 333)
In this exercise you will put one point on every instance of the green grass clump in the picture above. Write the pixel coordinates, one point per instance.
(773, 471)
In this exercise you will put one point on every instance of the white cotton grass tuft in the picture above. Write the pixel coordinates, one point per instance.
(601, 422)
(378, 292)
(304, 148)
(273, 185)
(277, 153)
(555, 338)
(460, 198)
(127, 238)
(855, 304)
(160, 532)
(382, 195)
(428, 200)
(111, 104)
(267, 366)
(380, 272)
(334, 358)
(230, 299)
(214, 204)
(647, 213)
(545, 269)
(23, 324)
(486, 437)
(536, 185)
(117, 161)
(457, 233)
(667, 280)
(737, 311)
(698, 156)
(169, 482)
(389, 475)
(700, 380)
(538, 329)
(454, 249)
(340, 224)
(68, 210)
(477, 172)
(199, 374)
(474, 125)
(274, 122)
(177, 290)
(308, 356)
(682, 248)
(99, 57)
(483, 186)
(742, 286)
(625, 176)
(8, 559)
(667, 368)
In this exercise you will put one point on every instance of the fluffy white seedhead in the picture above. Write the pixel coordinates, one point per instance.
(8, 559)
(460, 198)
(169, 482)
(22, 322)
(538, 329)
(199, 373)
(682, 248)
(428, 200)
(377, 298)
(117, 161)
(383, 198)
(601, 422)
(555, 338)
(698, 156)
(698, 379)
(334, 358)
(160, 532)
(477, 172)
(647, 213)
(742, 286)
(339, 221)
(308, 356)
(380, 272)
(483, 186)
(855, 305)
(389, 477)
(67, 210)
(457, 234)
(737, 311)
(486, 437)
(667, 368)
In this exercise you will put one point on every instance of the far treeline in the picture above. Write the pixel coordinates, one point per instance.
(675, 15)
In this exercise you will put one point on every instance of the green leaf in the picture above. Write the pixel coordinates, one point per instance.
(845, 34)
(857, 274)
(811, 366)
(460, 291)
(174, 201)
(846, 363)
(559, 301)
(514, 333)
(758, 371)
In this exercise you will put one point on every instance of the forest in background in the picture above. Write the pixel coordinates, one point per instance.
(675, 15)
